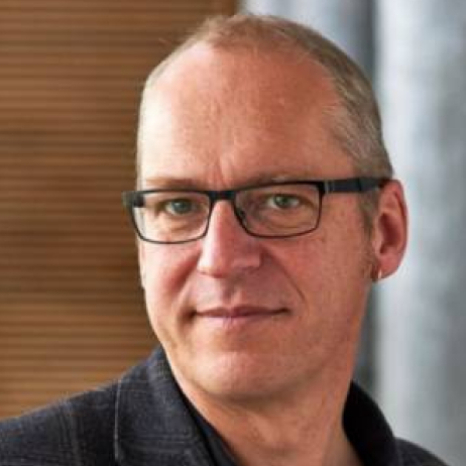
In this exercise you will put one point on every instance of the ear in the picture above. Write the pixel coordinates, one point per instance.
(390, 230)
(142, 262)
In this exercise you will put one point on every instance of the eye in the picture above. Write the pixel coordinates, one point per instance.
(179, 206)
(283, 201)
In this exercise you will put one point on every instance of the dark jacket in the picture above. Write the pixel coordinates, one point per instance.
(143, 420)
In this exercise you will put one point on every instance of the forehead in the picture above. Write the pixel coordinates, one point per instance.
(233, 112)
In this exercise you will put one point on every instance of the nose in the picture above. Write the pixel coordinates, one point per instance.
(227, 249)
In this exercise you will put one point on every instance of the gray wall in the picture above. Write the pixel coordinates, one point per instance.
(422, 79)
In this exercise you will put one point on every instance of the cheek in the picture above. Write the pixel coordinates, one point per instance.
(305, 261)
(332, 270)
(164, 266)
(164, 271)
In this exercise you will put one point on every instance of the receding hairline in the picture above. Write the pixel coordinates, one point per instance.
(264, 36)
(313, 71)
(212, 35)
(267, 34)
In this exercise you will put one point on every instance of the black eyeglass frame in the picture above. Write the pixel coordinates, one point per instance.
(135, 199)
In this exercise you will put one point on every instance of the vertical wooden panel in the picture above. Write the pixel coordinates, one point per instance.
(71, 311)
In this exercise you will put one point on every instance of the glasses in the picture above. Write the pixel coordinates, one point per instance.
(273, 210)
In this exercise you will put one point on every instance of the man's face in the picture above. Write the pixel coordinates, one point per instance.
(240, 316)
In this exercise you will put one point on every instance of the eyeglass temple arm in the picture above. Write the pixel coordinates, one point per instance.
(349, 185)
(132, 199)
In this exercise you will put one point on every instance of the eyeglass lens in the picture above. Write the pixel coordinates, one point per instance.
(275, 210)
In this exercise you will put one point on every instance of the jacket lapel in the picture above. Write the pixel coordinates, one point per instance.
(153, 426)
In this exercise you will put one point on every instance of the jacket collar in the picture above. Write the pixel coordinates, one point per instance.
(368, 431)
(152, 423)
(154, 426)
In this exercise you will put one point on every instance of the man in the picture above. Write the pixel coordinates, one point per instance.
(265, 210)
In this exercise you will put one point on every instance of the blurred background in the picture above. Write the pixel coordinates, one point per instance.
(71, 310)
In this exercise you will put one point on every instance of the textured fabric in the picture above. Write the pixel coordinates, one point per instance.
(143, 420)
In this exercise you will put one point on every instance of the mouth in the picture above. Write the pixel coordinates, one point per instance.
(240, 315)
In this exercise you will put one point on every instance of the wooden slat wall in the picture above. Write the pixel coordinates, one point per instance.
(71, 311)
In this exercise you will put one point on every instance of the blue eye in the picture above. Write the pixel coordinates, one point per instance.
(283, 201)
(179, 206)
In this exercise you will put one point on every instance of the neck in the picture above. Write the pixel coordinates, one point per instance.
(277, 433)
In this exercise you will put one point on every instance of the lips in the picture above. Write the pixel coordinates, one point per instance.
(240, 312)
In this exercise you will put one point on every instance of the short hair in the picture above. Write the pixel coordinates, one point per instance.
(356, 123)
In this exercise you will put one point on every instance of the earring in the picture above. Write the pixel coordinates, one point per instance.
(377, 274)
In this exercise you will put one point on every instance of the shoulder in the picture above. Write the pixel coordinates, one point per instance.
(57, 434)
(142, 414)
(414, 455)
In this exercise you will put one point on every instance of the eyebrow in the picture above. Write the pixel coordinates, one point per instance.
(190, 183)
(169, 182)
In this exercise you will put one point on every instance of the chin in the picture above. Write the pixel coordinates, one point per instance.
(234, 376)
